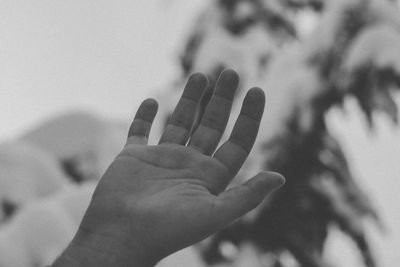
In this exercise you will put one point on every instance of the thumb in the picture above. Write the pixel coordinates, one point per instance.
(237, 201)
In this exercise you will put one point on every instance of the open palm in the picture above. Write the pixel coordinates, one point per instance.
(161, 198)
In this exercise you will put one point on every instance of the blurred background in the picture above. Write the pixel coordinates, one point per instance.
(72, 74)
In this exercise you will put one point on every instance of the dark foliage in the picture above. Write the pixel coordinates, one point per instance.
(320, 190)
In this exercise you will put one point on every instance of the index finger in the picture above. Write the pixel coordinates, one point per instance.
(234, 152)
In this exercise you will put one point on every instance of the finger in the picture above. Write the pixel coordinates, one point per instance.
(212, 125)
(140, 128)
(234, 152)
(237, 201)
(181, 121)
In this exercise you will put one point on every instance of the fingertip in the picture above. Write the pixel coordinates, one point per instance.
(275, 176)
(271, 181)
(257, 92)
(254, 103)
(230, 74)
(147, 110)
(195, 86)
(151, 102)
(242, 199)
(141, 125)
(199, 78)
(227, 84)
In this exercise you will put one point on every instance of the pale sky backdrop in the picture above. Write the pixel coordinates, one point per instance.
(106, 56)
(94, 54)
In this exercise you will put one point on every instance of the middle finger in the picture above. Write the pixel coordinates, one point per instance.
(213, 123)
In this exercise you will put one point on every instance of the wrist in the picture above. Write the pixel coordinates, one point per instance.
(89, 249)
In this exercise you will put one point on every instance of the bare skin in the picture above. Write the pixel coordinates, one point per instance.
(157, 199)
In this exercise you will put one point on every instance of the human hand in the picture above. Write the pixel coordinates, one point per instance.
(156, 199)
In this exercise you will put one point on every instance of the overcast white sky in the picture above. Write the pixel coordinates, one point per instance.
(108, 55)
(96, 54)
